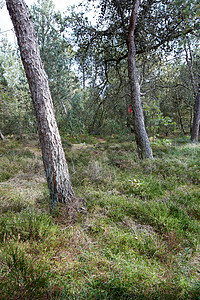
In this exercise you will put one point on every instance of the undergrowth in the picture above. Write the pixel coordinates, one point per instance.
(136, 236)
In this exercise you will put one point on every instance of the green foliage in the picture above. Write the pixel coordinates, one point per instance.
(101, 55)
(16, 111)
(89, 80)
(156, 122)
(57, 56)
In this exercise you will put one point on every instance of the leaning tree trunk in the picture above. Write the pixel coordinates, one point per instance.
(142, 140)
(52, 152)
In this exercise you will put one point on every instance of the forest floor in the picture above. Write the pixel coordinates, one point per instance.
(133, 233)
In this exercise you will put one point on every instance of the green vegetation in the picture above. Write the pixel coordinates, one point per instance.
(133, 230)
(133, 233)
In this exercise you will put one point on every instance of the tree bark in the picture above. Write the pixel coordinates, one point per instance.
(52, 151)
(142, 140)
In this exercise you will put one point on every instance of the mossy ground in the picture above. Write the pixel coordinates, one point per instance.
(135, 235)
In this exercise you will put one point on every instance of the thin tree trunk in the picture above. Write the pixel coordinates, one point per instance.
(196, 120)
(91, 130)
(2, 136)
(181, 122)
(66, 114)
(142, 140)
(52, 152)
(179, 115)
(196, 117)
(196, 92)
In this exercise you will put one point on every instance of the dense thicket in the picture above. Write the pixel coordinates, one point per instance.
(87, 69)
(160, 34)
